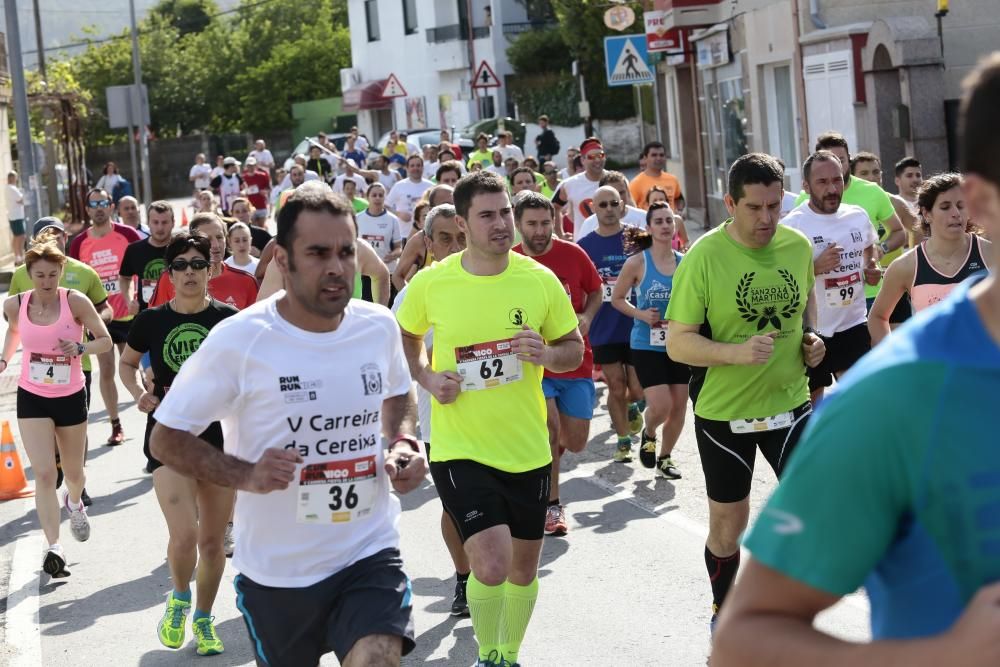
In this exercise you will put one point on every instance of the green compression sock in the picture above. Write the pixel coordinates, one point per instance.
(519, 602)
(486, 608)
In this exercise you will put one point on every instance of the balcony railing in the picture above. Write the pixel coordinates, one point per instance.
(455, 32)
(515, 29)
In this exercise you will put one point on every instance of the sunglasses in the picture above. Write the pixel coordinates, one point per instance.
(614, 203)
(100, 203)
(182, 264)
(596, 155)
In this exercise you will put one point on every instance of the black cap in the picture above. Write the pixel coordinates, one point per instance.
(45, 223)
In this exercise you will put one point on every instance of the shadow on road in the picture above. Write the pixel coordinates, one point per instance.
(463, 652)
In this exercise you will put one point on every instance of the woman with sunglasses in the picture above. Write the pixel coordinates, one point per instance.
(196, 512)
(48, 321)
(650, 272)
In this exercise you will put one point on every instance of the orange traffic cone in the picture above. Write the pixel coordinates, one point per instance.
(184, 217)
(12, 481)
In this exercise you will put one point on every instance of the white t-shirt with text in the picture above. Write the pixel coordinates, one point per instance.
(272, 384)
(381, 232)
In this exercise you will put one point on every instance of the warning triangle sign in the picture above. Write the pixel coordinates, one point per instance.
(630, 66)
(393, 88)
(485, 77)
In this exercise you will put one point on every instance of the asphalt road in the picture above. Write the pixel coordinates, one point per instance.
(627, 586)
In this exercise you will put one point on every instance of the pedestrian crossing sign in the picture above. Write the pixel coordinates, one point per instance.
(626, 60)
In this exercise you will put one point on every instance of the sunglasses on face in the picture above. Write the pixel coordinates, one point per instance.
(183, 264)
(100, 203)
(614, 203)
(596, 155)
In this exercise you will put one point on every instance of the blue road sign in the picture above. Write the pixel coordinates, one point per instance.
(626, 60)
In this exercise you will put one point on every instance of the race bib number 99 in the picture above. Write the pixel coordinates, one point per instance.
(337, 491)
(487, 365)
(842, 291)
(49, 368)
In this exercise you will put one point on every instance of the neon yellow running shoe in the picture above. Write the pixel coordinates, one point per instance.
(208, 642)
(171, 628)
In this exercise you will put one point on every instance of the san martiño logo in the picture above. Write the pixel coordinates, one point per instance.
(517, 317)
(181, 343)
(371, 377)
(766, 304)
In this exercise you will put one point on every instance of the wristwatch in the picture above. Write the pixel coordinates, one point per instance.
(80, 349)
(408, 439)
(811, 330)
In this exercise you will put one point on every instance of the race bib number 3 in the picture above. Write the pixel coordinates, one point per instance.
(607, 288)
(337, 491)
(780, 421)
(658, 334)
(487, 365)
(841, 291)
(49, 368)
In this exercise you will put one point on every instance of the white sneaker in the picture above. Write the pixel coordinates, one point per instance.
(79, 525)
(228, 544)
(54, 562)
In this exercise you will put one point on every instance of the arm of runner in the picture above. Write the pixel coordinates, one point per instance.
(558, 201)
(897, 236)
(13, 337)
(86, 314)
(128, 366)
(767, 622)
(406, 467)
(682, 232)
(906, 219)
(627, 279)
(590, 308)
(898, 279)
(688, 346)
(125, 286)
(266, 255)
(827, 260)
(443, 386)
(370, 265)
(407, 259)
(813, 347)
(562, 355)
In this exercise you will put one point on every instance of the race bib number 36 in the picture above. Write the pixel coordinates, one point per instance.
(48, 368)
(842, 291)
(337, 491)
(487, 365)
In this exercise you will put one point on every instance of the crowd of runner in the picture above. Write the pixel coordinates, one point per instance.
(514, 290)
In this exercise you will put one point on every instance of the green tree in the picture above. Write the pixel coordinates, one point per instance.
(186, 15)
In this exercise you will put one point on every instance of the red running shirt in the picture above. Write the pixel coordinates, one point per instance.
(105, 256)
(579, 277)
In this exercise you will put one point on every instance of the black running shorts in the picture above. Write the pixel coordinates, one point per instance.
(728, 458)
(479, 497)
(212, 435)
(296, 626)
(656, 368)
(62, 410)
(843, 350)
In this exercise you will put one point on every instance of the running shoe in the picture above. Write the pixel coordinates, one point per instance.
(85, 498)
(715, 618)
(647, 451)
(634, 418)
(171, 628)
(623, 452)
(117, 435)
(460, 604)
(555, 521)
(208, 641)
(54, 562)
(79, 525)
(666, 468)
(504, 663)
(228, 543)
(491, 661)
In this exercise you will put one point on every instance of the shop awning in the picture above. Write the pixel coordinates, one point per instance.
(366, 95)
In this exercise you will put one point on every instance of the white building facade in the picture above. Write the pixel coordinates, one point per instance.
(434, 48)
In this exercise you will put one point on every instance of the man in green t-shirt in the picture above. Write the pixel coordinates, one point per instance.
(741, 314)
(76, 275)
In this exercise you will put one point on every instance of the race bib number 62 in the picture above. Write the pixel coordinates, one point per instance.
(487, 365)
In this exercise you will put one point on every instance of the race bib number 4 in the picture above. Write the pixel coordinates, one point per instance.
(777, 422)
(842, 291)
(48, 368)
(337, 491)
(487, 365)
(658, 334)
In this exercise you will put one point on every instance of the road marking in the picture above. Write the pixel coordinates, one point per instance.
(23, 635)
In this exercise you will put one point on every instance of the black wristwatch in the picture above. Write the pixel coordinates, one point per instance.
(80, 349)
(811, 330)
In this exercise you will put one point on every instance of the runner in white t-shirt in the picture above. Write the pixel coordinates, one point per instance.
(380, 227)
(843, 241)
(305, 384)
(577, 191)
(200, 174)
(403, 196)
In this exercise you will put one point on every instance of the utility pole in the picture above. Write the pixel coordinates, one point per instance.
(139, 111)
(25, 156)
(51, 175)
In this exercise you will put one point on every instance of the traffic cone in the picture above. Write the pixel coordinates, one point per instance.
(184, 217)
(12, 481)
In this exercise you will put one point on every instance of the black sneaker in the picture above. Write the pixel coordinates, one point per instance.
(666, 468)
(54, 563)
(85, 497)
(647, 451)
(460, 605)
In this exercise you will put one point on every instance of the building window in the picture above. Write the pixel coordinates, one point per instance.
(371, 19)
(539, 10)
(410, 16)
(723, 106)
(673, 122)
